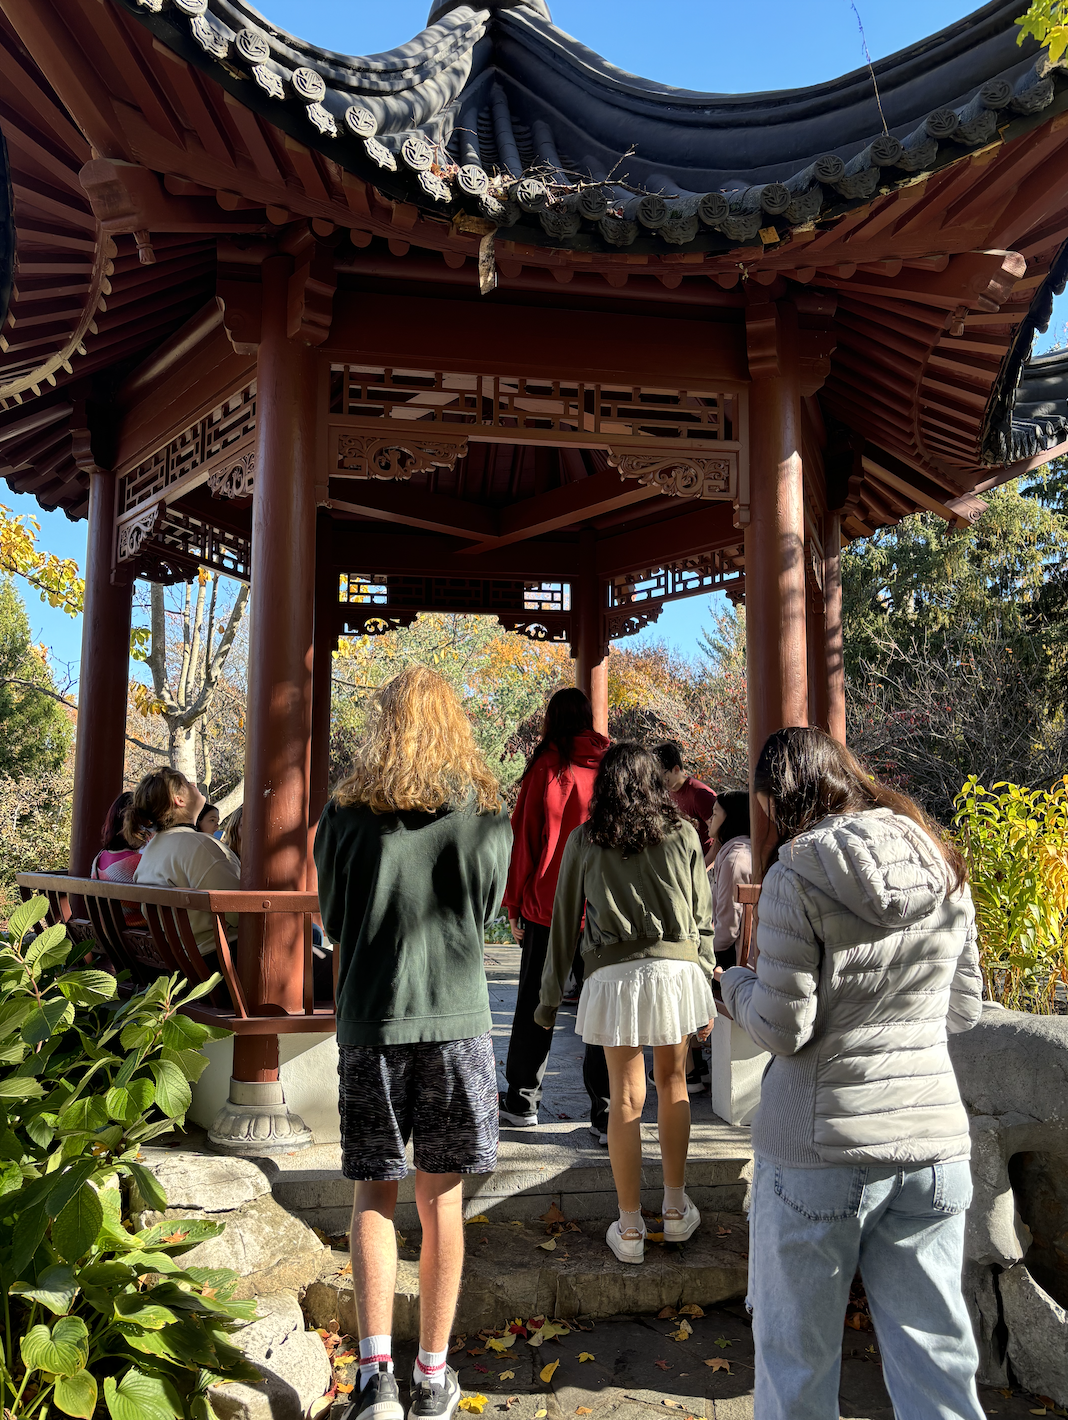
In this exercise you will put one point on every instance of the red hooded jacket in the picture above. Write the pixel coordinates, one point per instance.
(551, 804)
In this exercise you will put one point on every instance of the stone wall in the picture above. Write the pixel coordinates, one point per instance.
(1013, 1074)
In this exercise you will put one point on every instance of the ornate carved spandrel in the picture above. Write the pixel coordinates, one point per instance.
(234, 480)
(395, 456)
(546, 629)
(620, 623)
(376, 623)
(135, 532)
(679, 475)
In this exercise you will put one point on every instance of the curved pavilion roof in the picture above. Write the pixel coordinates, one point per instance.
(606, 192)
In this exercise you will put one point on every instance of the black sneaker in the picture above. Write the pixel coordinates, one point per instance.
(516, 1121)
(435, 1402)
(379, 1399)
(698, 1079)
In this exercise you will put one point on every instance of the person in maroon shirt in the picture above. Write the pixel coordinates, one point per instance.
(554, 798)
(695, 801)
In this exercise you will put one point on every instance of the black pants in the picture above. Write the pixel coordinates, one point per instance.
(529, 1046)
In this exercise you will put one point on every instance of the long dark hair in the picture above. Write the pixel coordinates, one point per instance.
(735, 806)
(809, 776)
(112, 838)
(567, 715)
(631, 808)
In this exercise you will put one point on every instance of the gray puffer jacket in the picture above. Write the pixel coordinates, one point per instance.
(866, 960)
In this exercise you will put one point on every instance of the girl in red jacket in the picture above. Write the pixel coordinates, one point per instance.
(554, 798)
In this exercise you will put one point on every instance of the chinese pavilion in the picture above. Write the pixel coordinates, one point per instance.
(486, 324)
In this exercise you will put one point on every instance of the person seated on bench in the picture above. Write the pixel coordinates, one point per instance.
(117, 860)
(163, 818)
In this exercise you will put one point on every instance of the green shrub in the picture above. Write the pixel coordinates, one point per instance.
(1016, 844)
(99, 1318)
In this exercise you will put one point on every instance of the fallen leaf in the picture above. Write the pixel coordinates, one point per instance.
(506, 1376)
(722, 1342)
(666, 1313)
(402, 1241)
(856, 1321)
(547, 1372)
(475, 1404)
(691, 1309)
(345, 1360)
(346, 1271)
(585, 1356)
(654, 1237)
(509, 1402)
(458, 1347)
(548, 1329)
(549, 1246)
(483, 1369)
(684, 1332)
(345, 1387)
(176, 1237)
(481, 1218)
(584, 1410)
(1040, 1411)
(723, 1232)
(673, 1404)
(663, 1365)
(515, 1223)
(539, 1414)
(719, 1363)
(500, 1344)
(476, 1350)
(554, 1215)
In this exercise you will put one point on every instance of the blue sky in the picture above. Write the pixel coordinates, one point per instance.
(709, 45)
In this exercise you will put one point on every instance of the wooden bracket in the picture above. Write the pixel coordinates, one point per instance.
(239, 292)
(310, 307)
(762, 339)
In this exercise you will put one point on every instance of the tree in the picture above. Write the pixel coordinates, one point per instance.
(55, 578)
(1047, 22)
(37, 731)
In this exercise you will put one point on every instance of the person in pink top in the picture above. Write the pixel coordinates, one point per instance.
(118, 859)
(554, 798)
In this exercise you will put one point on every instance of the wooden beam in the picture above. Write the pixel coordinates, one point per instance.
(363, 547)
(581, 501)
(698, 527)
(401, 504)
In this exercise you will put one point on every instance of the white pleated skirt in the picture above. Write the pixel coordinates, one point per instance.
(656, 1001)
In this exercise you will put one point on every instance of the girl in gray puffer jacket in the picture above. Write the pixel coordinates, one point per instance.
(866, 958)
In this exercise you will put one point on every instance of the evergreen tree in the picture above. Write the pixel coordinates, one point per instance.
(35, 730)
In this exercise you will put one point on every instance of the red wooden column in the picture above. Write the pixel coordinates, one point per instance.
(325, 643)
(590, 648)
(833, 627)
(277, 757)
(775, 593)
(100, 752)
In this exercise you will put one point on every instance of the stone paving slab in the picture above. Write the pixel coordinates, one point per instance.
(559, 1162)
(639, 1372)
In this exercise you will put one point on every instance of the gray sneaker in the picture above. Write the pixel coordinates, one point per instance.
(435, 1402)
(379, 1399)
(517, 1121)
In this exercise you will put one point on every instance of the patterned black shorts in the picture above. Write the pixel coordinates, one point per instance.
(443, 1092)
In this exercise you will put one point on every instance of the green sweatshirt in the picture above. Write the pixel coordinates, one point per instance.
(656, 903)
(407, 897)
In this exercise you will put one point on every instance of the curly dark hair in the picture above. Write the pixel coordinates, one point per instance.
(631, 808)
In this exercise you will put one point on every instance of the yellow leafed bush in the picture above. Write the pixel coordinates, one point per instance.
(1016, 844)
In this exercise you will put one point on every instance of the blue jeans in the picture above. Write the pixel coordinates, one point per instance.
(810, 1229)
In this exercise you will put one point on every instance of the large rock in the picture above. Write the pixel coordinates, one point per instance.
(213, 1182)
(1012, 1069)
(269, 1248)
(294, 1364)
(1038, 1334)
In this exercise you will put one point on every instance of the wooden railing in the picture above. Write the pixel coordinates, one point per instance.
(165, 944)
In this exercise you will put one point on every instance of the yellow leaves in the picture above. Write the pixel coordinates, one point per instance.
(547, 1331)
(547, 1372)
(506, 1376)
(55, 578)
(481, 1218)
(500, 1344)
(549, 1246)
(145, 699)
(584, 1410)
(654, 1237)
(691, 1308)
(719, 1363)
(684, 1332)
(586, 1356)
(473, 1404)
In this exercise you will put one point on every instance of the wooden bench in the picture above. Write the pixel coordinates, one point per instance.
(93, 915)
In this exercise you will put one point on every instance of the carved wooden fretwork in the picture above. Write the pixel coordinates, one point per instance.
(540, 611)
(234, 479)
(687, 476)
(620, 623)
(396, 456)
(188, 460)
(135, 531)
(375, 624)
(543, 628)
(710, 571)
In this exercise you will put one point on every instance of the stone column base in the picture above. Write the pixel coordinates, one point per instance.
(255, 1122)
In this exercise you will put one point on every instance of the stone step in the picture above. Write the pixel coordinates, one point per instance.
(559, 1163)
(508, 1274)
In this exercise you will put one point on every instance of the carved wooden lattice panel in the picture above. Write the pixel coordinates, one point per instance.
(711, 571)
(196, 450)
(374, 604)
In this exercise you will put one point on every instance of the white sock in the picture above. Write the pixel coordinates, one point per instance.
(631, 1220)
(429, 1367)
(375, 1352)
(674, 1200)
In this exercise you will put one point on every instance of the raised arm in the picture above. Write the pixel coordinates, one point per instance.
(776, 1004)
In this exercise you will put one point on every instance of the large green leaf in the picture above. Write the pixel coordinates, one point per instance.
(62, 1352)
(20, 1087)
(13, 1013)
(141, 1397)
(55, 1289)
(27, 915)
(191, 1231)
(192, 1063)
(77, 1227)
(54, 1017)
(76, 1395)
(173, 1095)
(133, 1307)
(201, 989)
(67, 1184)
(50, 937)
(148, 1186)
(87, 988)
(129, 1102)
(83, 1115)
(180, 1033)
